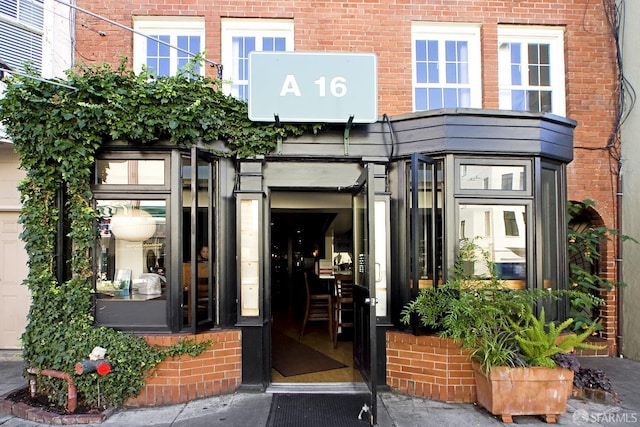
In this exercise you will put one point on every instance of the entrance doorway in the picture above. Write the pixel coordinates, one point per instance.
(311, 248)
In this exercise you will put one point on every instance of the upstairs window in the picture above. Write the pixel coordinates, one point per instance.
(242, 36)
(158, 51)
(531, 69)
(21, 32)
(446, 66)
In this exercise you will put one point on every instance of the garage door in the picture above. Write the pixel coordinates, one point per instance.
(14, 297)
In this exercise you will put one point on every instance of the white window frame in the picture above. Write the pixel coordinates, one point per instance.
(249, 27)
(449, 32)
(173, 26)
(554, 36)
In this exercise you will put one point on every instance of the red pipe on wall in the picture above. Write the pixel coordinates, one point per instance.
(72, 398)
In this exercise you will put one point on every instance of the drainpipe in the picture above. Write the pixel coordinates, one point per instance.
(620, 317)
(72, 395)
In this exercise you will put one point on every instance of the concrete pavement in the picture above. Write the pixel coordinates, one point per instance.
(394, 410)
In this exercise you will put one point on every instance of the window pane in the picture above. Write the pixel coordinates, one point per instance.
(421, 50)
(508, 251)
(545, 75)
(450, 98)
(432, 50)
(435, 98)
(281, 44)
(464, 98)
(421, 99)
(450, 51)
(158, 59)
(124, 172)
(518, 100)
(433, 74)
(491, 177)
(545, 101)
(421, 72)
(451, 73)
(132, 249)
(516, 65)
(273, 44)
(190, 44)
(534, 100)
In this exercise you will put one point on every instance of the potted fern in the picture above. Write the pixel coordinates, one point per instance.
(529, 382)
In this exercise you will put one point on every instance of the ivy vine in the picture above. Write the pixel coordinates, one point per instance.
(56, 132)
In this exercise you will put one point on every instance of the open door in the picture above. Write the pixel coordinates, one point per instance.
(364, 292)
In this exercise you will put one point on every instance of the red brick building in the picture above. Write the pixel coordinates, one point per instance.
(556, 57)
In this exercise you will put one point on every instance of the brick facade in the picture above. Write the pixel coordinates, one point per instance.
(384, 28)
(429, 366)
(185, 378)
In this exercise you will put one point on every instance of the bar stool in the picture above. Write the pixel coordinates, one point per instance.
(342, 307)
(318, 308)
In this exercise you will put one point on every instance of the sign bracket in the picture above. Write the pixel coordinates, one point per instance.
(278, 136)
(347, 130)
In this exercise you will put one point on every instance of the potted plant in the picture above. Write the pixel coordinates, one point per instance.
(528, 382)
(511, 348)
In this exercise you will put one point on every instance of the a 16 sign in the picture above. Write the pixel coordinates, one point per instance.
(313, 87)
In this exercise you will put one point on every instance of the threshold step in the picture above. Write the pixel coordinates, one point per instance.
(317, 388)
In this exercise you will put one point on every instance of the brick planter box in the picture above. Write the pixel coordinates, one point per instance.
(180, 379)
(429, 366)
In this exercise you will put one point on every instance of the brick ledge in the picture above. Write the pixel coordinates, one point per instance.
(27, 412)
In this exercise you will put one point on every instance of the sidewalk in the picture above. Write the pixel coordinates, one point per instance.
(394, 410)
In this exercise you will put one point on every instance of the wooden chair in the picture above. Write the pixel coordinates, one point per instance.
(342, 306)
(318, 308)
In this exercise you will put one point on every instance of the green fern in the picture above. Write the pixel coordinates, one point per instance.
(538, 340)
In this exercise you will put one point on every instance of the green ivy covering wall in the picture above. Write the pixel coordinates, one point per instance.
(56, 131)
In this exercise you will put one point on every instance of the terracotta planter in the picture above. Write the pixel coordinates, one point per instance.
(524, 391)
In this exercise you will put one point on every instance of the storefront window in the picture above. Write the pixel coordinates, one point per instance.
(426, 187)
(125, 172)
(132, 263)
(500, 230)
(492, 177)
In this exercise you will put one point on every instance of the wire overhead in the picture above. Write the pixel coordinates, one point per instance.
(157, 40)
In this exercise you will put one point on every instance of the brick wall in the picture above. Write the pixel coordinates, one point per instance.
(384, 27)
(429, 366)
(181, 379)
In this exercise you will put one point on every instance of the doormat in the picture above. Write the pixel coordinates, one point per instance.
(318, 410)
(290, 357)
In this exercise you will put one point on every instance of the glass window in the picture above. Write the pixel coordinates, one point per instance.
(496, 228)
(425, 187)
(446, 66)
(492, 177)
(242, 36)
(197, 275)
(531, 69)
(21, 32)
(124, 172)
(158, 51)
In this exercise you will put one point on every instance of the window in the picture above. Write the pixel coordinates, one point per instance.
(493, 176)
(446, 66)
(21, 32)
(508, 249)
(242, 36)
(158, 51)
(531, 69)
(510, 224)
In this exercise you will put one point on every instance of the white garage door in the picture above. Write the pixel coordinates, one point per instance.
(14, 297)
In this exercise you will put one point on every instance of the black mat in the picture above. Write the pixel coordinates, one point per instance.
(318, 410)
(290, 357)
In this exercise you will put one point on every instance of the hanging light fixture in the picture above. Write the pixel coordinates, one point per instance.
(133, 225)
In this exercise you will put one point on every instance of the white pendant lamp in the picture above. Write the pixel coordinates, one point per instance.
(133, 225)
